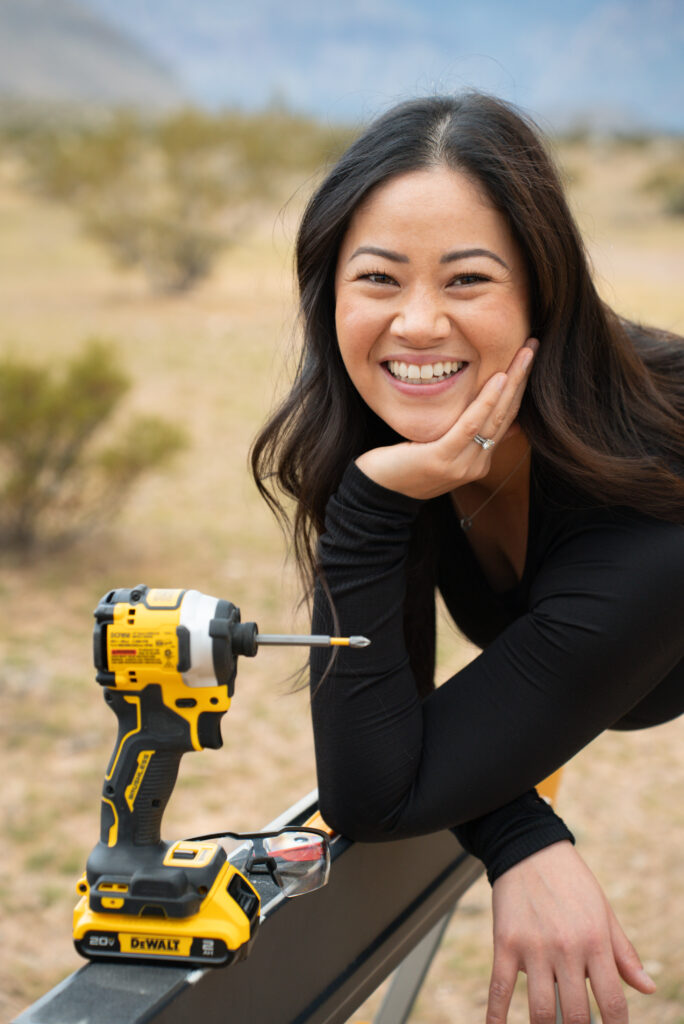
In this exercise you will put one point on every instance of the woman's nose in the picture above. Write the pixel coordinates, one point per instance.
(420, 319)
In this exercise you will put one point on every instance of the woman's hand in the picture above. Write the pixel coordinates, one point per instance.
(425, 470)
(552, 921)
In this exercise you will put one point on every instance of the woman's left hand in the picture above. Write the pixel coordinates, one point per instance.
(552, 921)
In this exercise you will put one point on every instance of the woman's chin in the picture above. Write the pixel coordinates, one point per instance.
(421, 433)
(422, 437)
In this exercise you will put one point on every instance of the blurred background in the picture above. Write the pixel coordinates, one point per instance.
(154, 158)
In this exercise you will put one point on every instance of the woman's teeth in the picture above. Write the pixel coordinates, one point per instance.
(411, 373)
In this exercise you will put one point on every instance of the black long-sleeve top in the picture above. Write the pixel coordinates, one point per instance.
(591, 638)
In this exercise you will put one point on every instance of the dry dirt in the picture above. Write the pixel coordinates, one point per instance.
(213, 360)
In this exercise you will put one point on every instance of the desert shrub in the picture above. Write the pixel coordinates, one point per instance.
(633, 139)
(169, 196)
(56, 483)
(666, 182)
(67, 160)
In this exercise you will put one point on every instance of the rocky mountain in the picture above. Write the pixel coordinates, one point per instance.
(64, 52)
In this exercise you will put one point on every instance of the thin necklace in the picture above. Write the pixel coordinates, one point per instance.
(467, 521)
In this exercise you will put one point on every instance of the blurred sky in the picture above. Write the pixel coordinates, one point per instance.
(618, 62)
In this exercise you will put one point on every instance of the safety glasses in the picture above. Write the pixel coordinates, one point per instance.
(296, 860)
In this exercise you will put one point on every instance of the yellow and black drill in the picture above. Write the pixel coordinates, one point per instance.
(167, 662)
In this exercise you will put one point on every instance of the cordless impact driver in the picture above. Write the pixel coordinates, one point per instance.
(166, 660)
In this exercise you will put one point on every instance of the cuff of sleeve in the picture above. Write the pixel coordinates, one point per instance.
(508, 835)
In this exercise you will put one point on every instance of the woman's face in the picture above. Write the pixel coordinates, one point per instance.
(431, 299)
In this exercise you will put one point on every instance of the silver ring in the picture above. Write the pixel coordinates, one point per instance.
(484, 442)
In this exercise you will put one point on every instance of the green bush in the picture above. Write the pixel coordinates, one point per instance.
(55, 482)
(169, 196)
(666, 182)
(69, 160)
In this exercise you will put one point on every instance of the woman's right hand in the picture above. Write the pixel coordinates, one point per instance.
(552, 921)
(426, 470)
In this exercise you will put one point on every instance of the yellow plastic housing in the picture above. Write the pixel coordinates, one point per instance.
(142, 648)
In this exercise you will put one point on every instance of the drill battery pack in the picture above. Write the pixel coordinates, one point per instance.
(194, 907)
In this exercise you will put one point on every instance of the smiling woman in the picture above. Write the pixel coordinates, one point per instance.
(469, 416)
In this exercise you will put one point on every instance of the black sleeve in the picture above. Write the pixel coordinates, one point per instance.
(604, 626)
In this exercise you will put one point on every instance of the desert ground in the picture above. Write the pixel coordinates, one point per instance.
(214, 360)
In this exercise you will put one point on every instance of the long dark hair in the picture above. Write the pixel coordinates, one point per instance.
(604, 407)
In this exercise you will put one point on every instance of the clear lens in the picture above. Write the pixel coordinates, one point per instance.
(302, 861)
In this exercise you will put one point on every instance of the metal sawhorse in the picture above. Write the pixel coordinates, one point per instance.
(315, 960)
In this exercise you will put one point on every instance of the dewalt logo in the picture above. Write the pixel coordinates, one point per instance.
(164, 945)
(158, 945)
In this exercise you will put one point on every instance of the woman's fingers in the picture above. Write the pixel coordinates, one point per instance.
(605, 984)
(606, 968)
(541, 995)
(475, 418)
(501, 988)
(506, 409)
(571, 975)
(491, 413)
(627, 959)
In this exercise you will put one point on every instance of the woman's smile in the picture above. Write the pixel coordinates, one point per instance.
(431, 299)
(418, 380)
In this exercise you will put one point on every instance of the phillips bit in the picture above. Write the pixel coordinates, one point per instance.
(295, 640)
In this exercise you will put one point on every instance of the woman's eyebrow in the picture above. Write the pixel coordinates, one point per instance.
(464, 254)
(374, 250)
(449, 257)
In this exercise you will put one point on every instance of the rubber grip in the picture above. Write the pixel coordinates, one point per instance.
(144, 766)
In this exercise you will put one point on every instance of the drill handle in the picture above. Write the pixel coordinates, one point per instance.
(143, 768)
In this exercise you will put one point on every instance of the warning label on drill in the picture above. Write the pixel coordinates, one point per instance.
(143, 647)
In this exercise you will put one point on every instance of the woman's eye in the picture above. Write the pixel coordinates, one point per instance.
(469, 279)
(377, 277)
